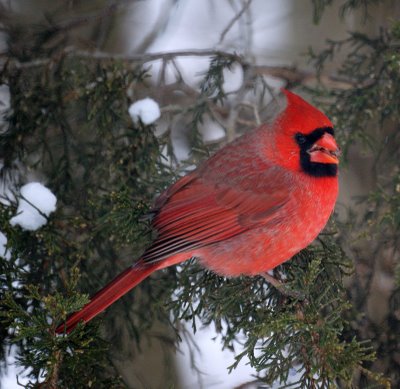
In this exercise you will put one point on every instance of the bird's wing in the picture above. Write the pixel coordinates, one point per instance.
(198, 211)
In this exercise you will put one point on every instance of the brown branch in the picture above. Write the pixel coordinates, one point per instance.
(292, 75)
(52, 381)
(143, 58)
(281, 287)
(249, 384)
(149, 57)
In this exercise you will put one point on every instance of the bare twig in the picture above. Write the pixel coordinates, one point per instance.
(234, 20)
(254, 108)
(143, 58)
(249, 384)
(292, 75)
(165, 18)
(238, 98)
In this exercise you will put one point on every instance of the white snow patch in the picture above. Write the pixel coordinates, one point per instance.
(9, 378)
(180, 146)
(35, 201)
(4, 252)
(211, 130)
(233, 79)
(211, 361)
(146, 110)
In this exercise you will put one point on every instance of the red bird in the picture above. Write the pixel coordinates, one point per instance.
(251, 206)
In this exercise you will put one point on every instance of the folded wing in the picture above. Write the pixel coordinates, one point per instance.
(199, 211)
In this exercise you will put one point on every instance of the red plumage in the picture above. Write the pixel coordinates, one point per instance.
(250, 207)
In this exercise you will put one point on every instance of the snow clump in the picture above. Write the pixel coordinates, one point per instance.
(146, 110)
(34, 203)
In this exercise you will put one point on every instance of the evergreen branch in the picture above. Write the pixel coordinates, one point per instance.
(283, 288)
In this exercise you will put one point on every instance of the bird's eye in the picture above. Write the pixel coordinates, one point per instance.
(300, 138)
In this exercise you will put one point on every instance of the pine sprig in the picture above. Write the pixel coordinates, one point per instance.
(44, 356)
(280, 333)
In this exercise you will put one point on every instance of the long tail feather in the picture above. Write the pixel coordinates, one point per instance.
(121, 285)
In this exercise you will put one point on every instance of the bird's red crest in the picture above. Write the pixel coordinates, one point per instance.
(300, 116)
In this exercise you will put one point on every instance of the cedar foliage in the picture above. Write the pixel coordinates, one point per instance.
(69, 124)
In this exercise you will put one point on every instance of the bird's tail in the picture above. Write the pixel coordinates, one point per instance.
(121, 285)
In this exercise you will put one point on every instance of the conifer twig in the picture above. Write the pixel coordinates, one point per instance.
(281, 287)
(234, 20)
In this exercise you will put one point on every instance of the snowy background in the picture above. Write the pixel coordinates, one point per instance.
(271, 32)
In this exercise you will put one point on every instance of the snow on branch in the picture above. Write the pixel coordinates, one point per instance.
(35, 203)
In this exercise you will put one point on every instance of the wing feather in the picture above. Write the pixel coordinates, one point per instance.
(198, 211)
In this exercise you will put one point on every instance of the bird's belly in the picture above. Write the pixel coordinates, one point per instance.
(261, 249)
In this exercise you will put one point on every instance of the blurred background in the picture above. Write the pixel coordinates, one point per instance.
(280, 42)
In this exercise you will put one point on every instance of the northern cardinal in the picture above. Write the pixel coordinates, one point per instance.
(251, 206)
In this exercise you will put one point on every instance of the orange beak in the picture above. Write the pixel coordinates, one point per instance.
(325, 150)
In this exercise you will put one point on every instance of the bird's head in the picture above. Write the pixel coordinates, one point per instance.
(304, 139)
